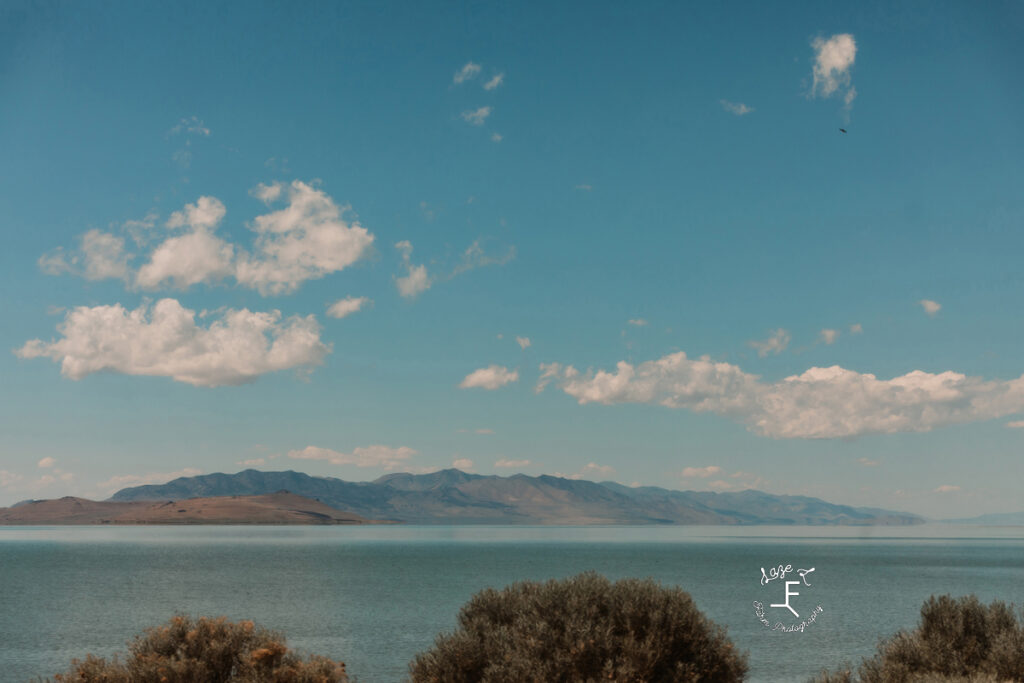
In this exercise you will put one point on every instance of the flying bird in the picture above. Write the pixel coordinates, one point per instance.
(842, 130)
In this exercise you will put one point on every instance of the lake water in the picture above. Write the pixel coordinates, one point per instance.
(374, 596)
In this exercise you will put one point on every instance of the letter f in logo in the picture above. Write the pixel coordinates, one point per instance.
(786, 604)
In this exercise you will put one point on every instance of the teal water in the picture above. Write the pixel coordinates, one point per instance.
(374, 596)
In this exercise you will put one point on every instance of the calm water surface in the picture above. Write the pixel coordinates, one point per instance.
(374, 596)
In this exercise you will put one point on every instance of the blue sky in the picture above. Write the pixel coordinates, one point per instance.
(657, 199)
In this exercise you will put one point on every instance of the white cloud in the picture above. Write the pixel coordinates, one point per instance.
(475, 257)
(9, 479)
(194, 257)
(46, 463)
(369, 456)
(123, 481)
(497, 137)
(100, 256)
(468, 72)
(829, 336)
(701, 472)
(947, 488)
(492, 377)
(638, 322)
(464, 464)
(347, 306)
(856, 328)
(206, 213)
(524, 342)
(306, 240)
(1016, 424)
(930, 307)
(775, 344)
(828, 402)
(191, 124)
(505, 463)
(416, 280)
(476, 117)
(591, 469)
(494, 82)
(252, 462)
(867, 462)
(737, 108)
(165, 341)
(832, 61)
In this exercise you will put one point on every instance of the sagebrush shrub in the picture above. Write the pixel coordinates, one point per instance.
(585, 628)
(206, 650)
(957, 640)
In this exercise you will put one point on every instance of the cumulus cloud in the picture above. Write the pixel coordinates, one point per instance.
(930, 307)
(165, 341)
(468, 72)
(101, 255)
(701, 472)
(369, 456)
(828, 336)
(46, 463)
(947, 488)
(306, 240)
(492, 377)
(347, 306)
(476, 117)
(737, 108)
(125, 480)
(524, 342)
(820, 403)
(464, 464)
(506, 463)
(833, 59)
(774, 344)
(494, 82)
(194, 257)
(416, 280)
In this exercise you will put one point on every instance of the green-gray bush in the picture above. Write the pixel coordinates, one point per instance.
(584, 628)
(958, 640)
(206, 650)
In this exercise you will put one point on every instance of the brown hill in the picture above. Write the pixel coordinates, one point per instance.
(272, 508)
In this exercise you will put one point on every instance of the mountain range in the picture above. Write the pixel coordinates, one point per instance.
(455, 497)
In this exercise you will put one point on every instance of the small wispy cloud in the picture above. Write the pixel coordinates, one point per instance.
(524, 342)
(464, 464)
(494, 82)
(497, 137)
(867, 462)
(468, 72)
(347, 306)
(638, 322)
(584, 187)
(490, 378)
(192, 125)
(504, 462)
(930, 307)
(476, 117)
(737, 108)
(947, 488)
(774, 344)
(701, 472)
(856, 328)
(1016, 424)
(828, 336)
